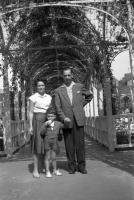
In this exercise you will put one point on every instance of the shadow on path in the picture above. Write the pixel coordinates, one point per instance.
(60, 164)
(121, 159)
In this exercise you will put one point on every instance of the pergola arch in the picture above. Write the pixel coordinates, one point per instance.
(82, 56)
(66, 53)
(44, 69)
(51, 59)
(64, 4)
(51, 4)
(72, 5)
(65, 17)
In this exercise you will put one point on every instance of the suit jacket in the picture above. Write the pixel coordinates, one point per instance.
(64, 108)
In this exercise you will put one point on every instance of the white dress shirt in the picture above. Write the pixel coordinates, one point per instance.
(69, 91)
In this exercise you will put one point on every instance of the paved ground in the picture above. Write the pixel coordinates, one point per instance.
(110, 177)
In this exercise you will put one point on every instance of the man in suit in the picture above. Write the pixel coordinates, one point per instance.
(70, 98)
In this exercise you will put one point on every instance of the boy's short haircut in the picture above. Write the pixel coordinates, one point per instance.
(51, 110)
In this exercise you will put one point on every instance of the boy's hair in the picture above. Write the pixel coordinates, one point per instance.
(51, 110)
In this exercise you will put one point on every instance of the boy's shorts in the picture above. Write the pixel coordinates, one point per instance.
(51, 144)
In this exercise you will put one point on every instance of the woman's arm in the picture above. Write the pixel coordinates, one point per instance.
(30, 117)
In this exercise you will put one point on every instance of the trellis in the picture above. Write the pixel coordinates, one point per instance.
(108, 9)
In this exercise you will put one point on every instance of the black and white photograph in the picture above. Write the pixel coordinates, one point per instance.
(66, 99)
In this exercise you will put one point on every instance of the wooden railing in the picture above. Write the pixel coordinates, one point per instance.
(96, 128)
(19, 134)
(123, 130)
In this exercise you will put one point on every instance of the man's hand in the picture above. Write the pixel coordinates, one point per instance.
(67, 122)
(67, 119)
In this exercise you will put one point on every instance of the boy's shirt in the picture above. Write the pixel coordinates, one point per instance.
(53, 130)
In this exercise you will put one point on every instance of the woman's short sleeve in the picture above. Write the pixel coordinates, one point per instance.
(33, 98)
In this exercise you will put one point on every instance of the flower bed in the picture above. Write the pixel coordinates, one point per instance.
(121, 127)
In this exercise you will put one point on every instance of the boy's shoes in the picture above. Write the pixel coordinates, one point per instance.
(48, 175)
(36, 175)
(57, 173)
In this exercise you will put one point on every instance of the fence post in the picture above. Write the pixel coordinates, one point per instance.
(6, 118)
(110, 120)
(131, 43)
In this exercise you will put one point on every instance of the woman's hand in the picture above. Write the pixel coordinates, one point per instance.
(30, 131)
(30, 117)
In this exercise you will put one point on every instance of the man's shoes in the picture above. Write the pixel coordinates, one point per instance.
(82, 171)
(71, 171)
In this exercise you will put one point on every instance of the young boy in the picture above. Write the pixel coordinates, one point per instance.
(50, 132)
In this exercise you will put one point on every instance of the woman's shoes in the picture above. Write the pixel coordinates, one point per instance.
(36, 175)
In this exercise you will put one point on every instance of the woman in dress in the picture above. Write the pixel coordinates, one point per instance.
(38, 105)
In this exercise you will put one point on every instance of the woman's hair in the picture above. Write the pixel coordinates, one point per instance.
(39, 80)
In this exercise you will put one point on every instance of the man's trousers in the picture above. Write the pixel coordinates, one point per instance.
(75, 147)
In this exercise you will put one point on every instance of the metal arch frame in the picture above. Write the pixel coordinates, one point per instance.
(43, 68)
(77, 59)
(68, 57)
(65, 55)
(47, 64)
(72, 61)
(91, 28)
(119, 53)
(79, 39)
(72, 5)
(81, 54)
(91, 25)
(63, 35)
(54, 76)
(68, 5)
(64, 17)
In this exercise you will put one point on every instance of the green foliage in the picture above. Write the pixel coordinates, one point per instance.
(45, 40)
(42, 41)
